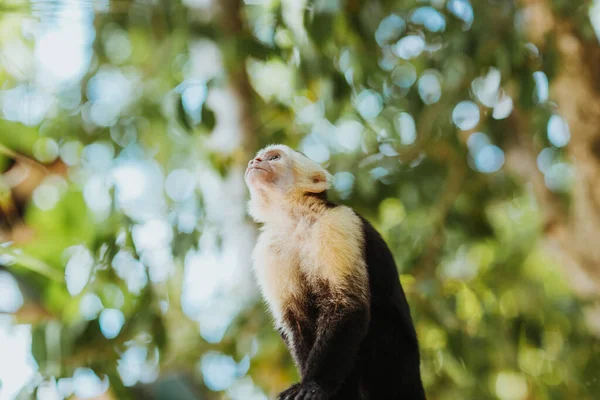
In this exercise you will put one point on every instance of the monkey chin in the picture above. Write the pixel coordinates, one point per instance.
(257, 177)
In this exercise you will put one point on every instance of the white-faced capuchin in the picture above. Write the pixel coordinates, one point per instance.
(331, 283)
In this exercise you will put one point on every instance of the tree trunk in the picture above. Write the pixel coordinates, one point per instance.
(572, 235)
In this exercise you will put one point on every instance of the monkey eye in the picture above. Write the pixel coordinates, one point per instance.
(275, 157)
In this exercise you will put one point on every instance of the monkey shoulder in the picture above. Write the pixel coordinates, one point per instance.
(336, 247)
(338, 228)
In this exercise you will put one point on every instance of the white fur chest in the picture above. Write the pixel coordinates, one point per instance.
(278, 264)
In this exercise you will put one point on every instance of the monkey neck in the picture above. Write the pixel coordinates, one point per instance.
(290, 208)
(311, 205)
(318, 197)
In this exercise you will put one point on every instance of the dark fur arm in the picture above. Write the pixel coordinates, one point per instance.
(298, 348)
(340, 332)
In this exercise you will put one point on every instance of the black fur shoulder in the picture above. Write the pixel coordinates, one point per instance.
(384, 279)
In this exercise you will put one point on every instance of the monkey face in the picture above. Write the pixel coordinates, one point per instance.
(279, 170)
(268, 170)
(279, 177)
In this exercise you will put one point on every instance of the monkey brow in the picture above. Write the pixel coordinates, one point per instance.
(274, 152)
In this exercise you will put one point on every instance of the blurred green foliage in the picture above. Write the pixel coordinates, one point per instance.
(411, 104)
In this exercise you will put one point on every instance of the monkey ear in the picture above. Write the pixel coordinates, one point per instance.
(318, 183)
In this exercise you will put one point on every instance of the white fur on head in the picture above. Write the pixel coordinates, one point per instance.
(293, 177)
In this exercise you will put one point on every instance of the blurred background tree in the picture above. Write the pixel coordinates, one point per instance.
(465, 130)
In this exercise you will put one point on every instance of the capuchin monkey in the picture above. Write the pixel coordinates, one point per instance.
(332, 286)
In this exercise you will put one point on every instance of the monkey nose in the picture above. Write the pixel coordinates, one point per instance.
(256, 159)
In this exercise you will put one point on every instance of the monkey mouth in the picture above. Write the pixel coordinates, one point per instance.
(253, 168)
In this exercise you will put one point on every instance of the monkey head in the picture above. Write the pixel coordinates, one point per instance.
(280, 175)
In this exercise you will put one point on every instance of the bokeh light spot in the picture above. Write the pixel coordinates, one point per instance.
(558, 131)
(463, 10)
(11, 298)
(404, 75)
(180, 185)
(78, 269)
(87, 384)
(46, 150)
(111, 322)
(409, 47)
(466, 115)
(503, 108)
(430, 88)
(405, 124)
(541, 87)
(315, 149)
(545, 159)
(489, 159)
(511, 386)
(430, 18)
(349, 134)
(368, 103)
(389, 29)
(219, 371)
(70, 152)
(486, 88)
(90, 306)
